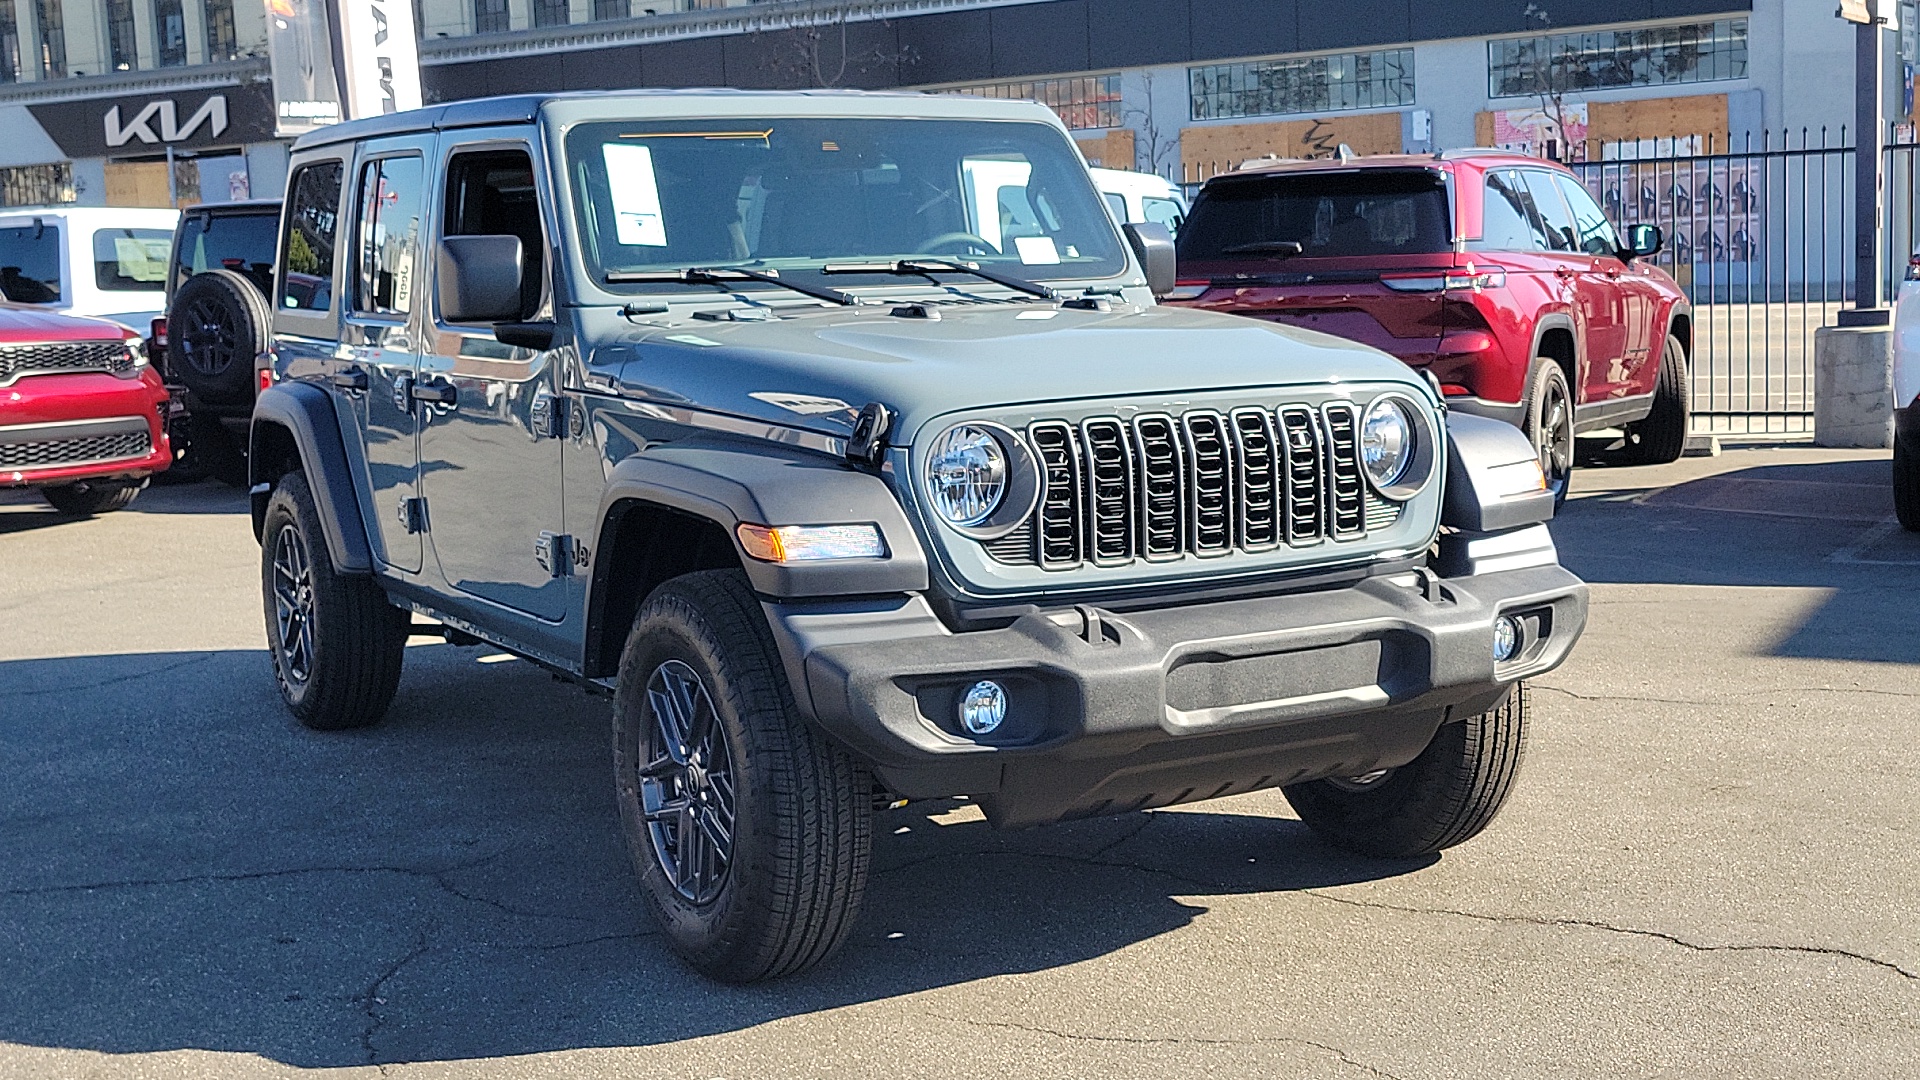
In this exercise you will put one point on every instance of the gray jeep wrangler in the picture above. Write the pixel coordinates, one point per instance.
(838, 438)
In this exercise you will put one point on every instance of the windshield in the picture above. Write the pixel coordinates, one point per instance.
(243, 243)
(30, 263)
(1329, 215)
(794, 195)
(131, 260)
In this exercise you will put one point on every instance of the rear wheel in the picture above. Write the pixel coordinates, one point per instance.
(1906, 483)
(1446, 796)
(1549, 423)
(85, 498)
(337, 643)
(750, 832)
(1662, 436)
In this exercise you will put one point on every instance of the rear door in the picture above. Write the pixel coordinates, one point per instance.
(1357, 230)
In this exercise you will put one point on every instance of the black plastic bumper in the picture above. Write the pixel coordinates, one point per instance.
(1110, 713)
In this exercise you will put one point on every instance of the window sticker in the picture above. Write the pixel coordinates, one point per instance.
(1037, 250)
(636, 196)
(142, 259)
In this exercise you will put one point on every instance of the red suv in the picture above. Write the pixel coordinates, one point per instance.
(82, 413)
(1494, 272)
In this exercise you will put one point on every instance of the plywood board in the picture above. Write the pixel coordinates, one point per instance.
(137, 183)
(1657, 118)
(1217, 148)
(1110, 150)
(1483, 128)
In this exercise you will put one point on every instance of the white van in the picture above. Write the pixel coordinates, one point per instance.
(106, 261)
(1136, 196)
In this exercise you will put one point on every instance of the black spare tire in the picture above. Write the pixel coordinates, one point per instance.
(218, 323)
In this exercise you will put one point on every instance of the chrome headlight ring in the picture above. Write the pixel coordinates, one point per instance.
(980, 479)
(1399, 446)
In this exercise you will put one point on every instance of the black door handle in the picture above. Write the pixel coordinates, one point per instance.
(350, 379)
(436, 393)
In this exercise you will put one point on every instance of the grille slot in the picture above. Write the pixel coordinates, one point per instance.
(1304, 513)
(1059, 511)
(1209, 484)
(63, 356)
(75, 451)
(1346, 489)
(1258, 477)
(1109, 500)
(1162, 475)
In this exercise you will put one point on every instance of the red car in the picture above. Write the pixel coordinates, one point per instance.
(1496, 273)
(82, 413)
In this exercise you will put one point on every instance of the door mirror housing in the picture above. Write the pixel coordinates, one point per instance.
(479, 278)
(1643, 241)
(1153, 245)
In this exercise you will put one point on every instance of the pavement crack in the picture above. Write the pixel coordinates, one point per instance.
(1630, 931)
(372, 1003)
(188, 661)
(1729, 698)
(1185, 1040)
(633, 936)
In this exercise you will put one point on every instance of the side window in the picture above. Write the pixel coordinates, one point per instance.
(492, 193)
(307, 284)
(131, 260)
(1596, 232)
(389, 236)
(1162, 211)
(1117, 204)
(1561, 235)
(1505, 221)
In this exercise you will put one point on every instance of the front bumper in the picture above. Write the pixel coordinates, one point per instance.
(56, 429)
(1115, 712)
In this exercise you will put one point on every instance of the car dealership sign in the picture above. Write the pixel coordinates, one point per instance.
(141, 124)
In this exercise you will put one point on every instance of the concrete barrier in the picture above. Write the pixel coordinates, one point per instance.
(1853, 386)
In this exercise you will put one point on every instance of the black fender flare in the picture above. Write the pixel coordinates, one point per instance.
(1492, 473)
(1560, 320)
(734, 482)
(305, 413)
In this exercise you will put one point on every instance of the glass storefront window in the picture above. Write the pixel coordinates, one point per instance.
(1086, 101)
(1306, 84)
(1647, 56)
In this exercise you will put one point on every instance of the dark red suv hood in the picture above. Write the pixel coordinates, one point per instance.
(21, 324)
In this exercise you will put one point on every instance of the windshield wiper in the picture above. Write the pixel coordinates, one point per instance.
(720, 275)
(1279, 249)
(927, 267)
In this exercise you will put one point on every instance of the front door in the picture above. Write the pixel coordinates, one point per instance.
(1582, 286)
(490, 451)
(1617, 287)
(380, 337)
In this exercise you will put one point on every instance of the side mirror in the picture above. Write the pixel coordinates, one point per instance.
(479, 279)
(1643, 241)
(1153, 245)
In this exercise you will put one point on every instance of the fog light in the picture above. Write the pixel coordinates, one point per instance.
(983, 708)
(1506, 638)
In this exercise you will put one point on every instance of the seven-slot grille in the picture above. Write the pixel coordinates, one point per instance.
(1203, 483)
(63, 356)
(78, 450)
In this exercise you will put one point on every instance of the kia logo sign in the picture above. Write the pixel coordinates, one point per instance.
(159, 122)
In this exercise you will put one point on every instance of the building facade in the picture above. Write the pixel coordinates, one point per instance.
(160, 102)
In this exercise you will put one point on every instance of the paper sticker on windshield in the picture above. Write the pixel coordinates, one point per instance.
(142, 259)
(636, 197)
(1036, 250)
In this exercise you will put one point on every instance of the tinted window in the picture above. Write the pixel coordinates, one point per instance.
(30, 264)
(131, 260)
(1164, 211)
(1561, 235)
(1506, 223)
(312, 220)
(389, 223)
(1327, 214)
(1596, 232)
(1117, 204)
(242, 243)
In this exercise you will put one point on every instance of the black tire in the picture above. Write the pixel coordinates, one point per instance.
(1662, 437)
(85, 498)
(1549, 423)
(1906, 483)
(1441, 798)
(780, 817)
(337, 643)
(216, 326)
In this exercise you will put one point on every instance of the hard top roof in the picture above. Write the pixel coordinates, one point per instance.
(655, 104)
(1472, 157)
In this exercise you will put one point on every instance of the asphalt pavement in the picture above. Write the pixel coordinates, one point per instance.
(1709, 868)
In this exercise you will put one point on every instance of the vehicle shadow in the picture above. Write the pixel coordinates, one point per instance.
(186, 868)
(1818, 525)
(23, 510)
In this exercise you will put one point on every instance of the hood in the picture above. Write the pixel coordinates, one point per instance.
(815, 368)
(22, 324)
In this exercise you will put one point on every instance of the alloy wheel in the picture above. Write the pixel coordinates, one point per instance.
(293, 603)
(206, 338)
(686, 787)
(1554, 438)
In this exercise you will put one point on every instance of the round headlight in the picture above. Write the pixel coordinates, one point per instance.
(1387, 442)
(967, 474)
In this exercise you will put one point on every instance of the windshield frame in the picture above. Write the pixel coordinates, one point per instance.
(585, 284)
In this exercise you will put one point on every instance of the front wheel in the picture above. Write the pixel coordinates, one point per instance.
(85, 498)
(750, 832)
(1549, 423)
(1441, 798)
(1662, 437)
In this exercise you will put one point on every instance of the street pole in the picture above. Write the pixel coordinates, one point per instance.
(1869, 275)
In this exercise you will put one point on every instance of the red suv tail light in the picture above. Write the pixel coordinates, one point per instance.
(1491, 277)
(159, 332)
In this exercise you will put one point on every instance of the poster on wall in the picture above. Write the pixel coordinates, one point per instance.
(1538, 131)
(306, 93)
